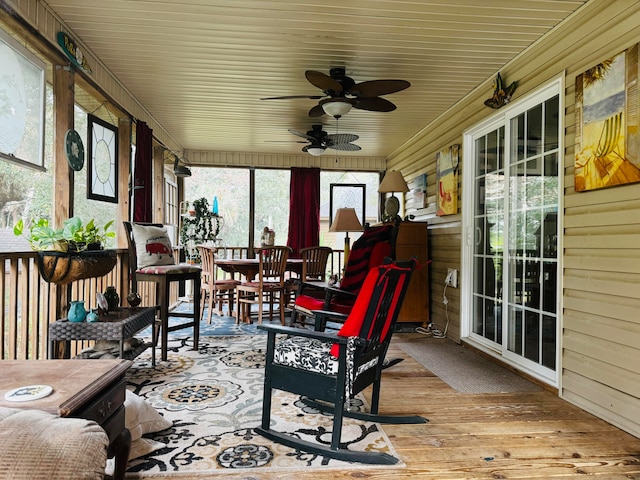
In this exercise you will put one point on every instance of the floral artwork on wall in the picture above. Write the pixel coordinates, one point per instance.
(607, 123)
(447, 180)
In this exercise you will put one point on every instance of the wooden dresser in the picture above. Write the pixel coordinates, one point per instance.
(411, 241)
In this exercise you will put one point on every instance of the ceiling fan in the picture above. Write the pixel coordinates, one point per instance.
(321, 140)
(342, 92)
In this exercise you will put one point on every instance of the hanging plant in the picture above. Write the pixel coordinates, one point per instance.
(201, 227)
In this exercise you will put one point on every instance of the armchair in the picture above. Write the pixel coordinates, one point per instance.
(368, 251)
(329, 369)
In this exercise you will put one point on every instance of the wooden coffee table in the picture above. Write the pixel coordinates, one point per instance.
(89, 389)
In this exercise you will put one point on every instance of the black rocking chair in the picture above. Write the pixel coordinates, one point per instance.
(329, 369)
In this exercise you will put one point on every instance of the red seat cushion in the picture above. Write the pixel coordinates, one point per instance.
(309, 303)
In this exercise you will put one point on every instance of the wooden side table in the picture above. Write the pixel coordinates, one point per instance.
(89, 389)
(119, 326)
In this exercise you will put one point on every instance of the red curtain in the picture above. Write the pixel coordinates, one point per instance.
(142, 185)
(304, 209)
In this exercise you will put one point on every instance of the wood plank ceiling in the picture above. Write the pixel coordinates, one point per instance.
(200, 67)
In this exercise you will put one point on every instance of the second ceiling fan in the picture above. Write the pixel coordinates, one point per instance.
(342, 92)
(319, 140)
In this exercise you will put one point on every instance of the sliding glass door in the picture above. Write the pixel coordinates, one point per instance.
(512, 246)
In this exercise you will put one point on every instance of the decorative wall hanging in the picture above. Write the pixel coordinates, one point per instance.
(607, 123)
(447, 161)
(501, 95)
(420, 191)
(102, 160)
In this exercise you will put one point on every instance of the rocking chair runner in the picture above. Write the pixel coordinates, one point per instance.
(333, 368)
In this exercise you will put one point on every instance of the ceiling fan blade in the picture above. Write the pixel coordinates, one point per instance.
(341, 138)
(316, 111)
(323, 81)
(373, 88)
(346, 147)
(300, 134)
(286, 97)
(374, 104)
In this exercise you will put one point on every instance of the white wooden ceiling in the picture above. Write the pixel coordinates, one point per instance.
(200, 67)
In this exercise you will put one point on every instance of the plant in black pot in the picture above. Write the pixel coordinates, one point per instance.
(86, 237)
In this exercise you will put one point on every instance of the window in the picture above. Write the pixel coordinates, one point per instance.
(22, 104)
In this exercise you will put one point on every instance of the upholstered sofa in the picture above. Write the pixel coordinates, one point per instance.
(36, 445)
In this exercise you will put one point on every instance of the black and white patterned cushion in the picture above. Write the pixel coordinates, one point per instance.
(306, 354)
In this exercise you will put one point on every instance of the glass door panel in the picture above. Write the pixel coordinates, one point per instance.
(514, 254)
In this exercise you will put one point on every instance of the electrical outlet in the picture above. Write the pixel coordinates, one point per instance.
(452, 278)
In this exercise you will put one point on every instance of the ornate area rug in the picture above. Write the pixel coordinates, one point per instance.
(214, 399)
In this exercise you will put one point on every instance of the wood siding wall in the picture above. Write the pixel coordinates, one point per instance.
(600, 314)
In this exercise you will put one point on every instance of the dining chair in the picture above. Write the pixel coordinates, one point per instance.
(151, 259)
(216, 290)
(314, 269)
(328, 370)
(267, 288)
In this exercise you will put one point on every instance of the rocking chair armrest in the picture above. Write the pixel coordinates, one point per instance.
(322, 316)
(336, 291)
(303, 332)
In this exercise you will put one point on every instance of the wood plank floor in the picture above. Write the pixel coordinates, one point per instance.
(489, 436)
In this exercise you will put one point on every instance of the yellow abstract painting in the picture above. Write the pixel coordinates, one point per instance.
(447, 161)
(607, 120)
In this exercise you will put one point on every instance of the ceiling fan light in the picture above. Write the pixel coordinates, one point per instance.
(315, 151)
(336, 107)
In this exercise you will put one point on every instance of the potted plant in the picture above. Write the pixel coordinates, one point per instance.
(86, 237)
(202, 226)
(70, 253)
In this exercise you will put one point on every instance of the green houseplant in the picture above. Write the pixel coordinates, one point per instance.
(70, 253)
(73, 236)
(200, 226)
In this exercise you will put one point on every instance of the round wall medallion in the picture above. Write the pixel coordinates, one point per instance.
(74, 149)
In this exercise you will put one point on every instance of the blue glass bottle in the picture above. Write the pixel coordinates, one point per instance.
(215, 206)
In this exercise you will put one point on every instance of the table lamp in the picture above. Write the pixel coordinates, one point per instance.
(346, 221)
(392, 182)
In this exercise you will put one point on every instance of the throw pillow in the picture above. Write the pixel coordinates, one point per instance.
(153, 245)
(142, 418)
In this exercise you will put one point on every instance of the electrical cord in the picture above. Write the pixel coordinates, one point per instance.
(431, 330)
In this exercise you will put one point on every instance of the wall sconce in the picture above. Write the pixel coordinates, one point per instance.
(180, 170)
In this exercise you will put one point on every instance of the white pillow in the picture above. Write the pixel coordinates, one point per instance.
(153, 245)
(141, 418)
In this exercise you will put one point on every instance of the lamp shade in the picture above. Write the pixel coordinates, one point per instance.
(393, 181)
(346, 221)
(336, 107)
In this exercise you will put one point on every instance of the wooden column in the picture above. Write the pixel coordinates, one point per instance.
(157, 197)
(123, 212)
(63, 97)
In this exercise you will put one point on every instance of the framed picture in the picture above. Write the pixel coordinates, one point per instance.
(447, 161)
(607, 123)
(420, 191)
(347, 195)
(102, 160)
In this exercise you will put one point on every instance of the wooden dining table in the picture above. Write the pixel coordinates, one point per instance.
(248, 267)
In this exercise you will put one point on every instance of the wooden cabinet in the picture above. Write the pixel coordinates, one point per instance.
(411, 241)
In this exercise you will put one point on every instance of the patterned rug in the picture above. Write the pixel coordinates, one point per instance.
(214, 398)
